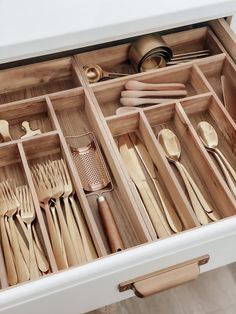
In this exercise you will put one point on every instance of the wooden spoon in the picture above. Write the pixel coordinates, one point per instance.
(137, 94)
(172, 149)
(133, 102)
(136, 85)
(210, 140)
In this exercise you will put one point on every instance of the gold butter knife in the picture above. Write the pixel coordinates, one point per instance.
(168, 209)
(137, 175)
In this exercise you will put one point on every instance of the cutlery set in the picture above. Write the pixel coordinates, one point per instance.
(23, 253)
(25, 126)
(68, 233)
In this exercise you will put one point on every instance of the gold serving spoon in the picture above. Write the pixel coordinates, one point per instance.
(210, 140)
(172, 149)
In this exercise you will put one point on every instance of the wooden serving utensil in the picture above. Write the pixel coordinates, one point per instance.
(133, 102)
(123, 110)
(171, 216)
(136, 85)
(210, 140)
(165, 93)
(172, 149)
(137, 175)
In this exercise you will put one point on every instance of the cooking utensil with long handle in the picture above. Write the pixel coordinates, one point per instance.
(96, 180)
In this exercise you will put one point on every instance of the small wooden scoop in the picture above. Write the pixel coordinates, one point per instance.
(136, 85)
(137, 94)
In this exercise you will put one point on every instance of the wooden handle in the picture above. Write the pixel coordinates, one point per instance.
(196, 205)
(109, 224)
(8, 256)
(133, 102)
(158, 220)
(85, 236)
(56, 245)
(136, 85)
(165, 279)
(171, 216)
(70, 250)
(21, 268)
(138, 94)
(75, 236)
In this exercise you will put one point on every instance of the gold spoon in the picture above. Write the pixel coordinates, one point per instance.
(210, 140)
(172, 149)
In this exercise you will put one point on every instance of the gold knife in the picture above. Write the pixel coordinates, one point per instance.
(168, 209)
(136, 173)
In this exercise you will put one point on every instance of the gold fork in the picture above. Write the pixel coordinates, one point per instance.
(12, 206)
(7, 251)
(52, 173)
(44, 193)
(27, 213)
(86, 238)
(74, 232)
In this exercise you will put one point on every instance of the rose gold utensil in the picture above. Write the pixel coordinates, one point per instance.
(95, 73)
(96, 180)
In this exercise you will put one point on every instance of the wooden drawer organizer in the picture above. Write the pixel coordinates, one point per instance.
(55, 97)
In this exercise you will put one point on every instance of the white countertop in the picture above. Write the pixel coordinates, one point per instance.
(31, 28)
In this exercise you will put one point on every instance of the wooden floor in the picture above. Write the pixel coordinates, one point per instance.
(212, 293)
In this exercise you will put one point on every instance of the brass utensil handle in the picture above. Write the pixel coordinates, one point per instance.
(157, 218)
(8, 256)
(111, 230)
(199, 211)
(86, 238)
(198, 193)
(171, 215)
(226, 173)
(227, 164)
(56, 245)
(165, 279)
(21, 267)
(70, 251)
(75, 237)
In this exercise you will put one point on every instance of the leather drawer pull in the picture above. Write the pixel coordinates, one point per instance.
(165, 279)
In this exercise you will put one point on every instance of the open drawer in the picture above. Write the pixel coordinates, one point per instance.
(55, 97)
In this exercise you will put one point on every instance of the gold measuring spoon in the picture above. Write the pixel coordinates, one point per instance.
(172, 149)
(210, 140)
(95, 73)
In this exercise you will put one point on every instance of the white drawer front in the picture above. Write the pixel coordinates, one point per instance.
(96, 284)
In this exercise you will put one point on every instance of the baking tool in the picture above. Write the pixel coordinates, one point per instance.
(95, 73)
(7, 250)
(210, 140)
(28, 131)
(171, 216)
(4, 131)
(138, 94)
(43, 189)
(149, 52)
(136, 85)
(172, 149)
(27, 213)
(87, 243)
(132, 102)
(12, 205)
(96, 180)
(57, 189)
(137, 175)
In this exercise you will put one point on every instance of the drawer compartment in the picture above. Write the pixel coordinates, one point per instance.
(37, 79)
